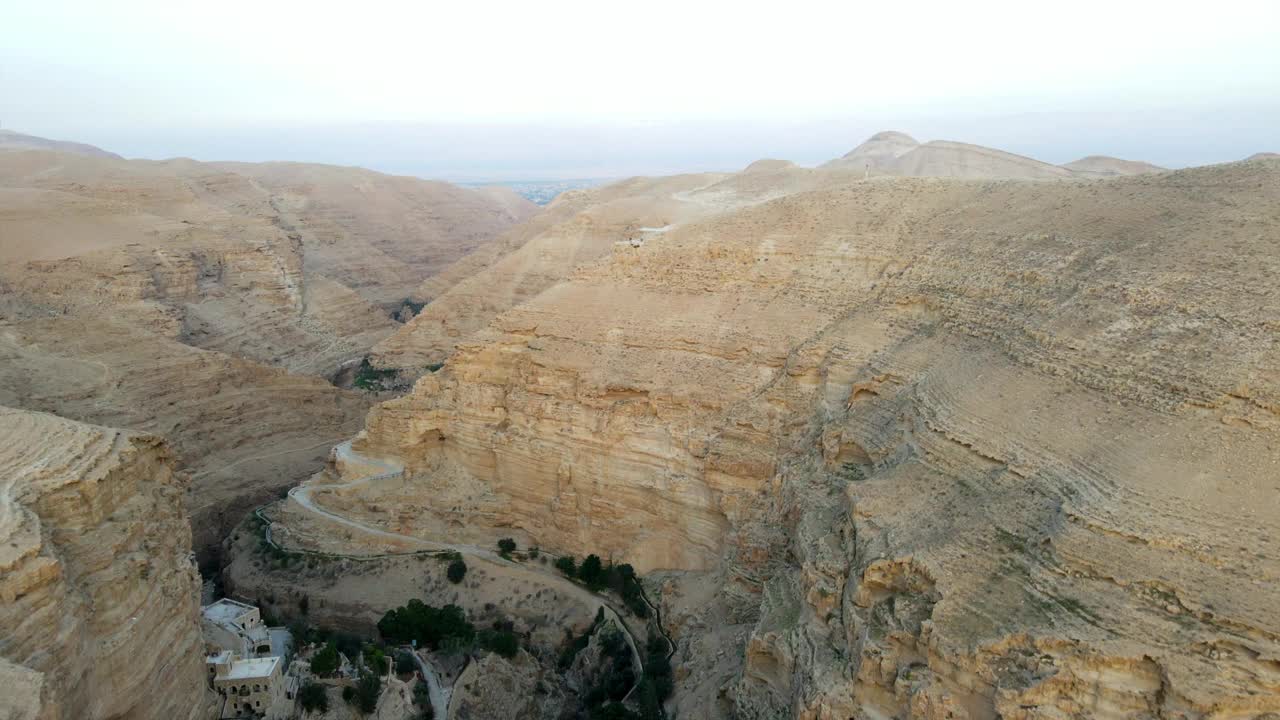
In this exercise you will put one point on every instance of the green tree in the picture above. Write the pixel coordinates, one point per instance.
(567, 566)
(506, 546)
(313, 697)
(503, 642)
(325, 661)
(592, 572)
(368, 689)
(404, 662)
(457, 571)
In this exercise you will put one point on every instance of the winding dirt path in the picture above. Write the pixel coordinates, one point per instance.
(386, 469)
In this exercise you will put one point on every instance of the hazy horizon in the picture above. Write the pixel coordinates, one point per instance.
(506, 91)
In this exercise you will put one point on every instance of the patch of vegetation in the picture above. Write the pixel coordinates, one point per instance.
(615, 678)
(432, 367)
(591, 572)
(370, 378)
(368, 688)
(436, 628)
(853, 472)
(621, 579)
(567, 565)
(404, 662)
(411, 305)
(325, 662)
(422, 698)
(657, 668)
(503, 642)
(313, 697)
(457, 571)
(506, 546)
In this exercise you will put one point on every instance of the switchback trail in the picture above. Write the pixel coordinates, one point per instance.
(385, 470)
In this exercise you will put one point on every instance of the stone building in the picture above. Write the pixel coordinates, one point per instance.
(236, 626)
(247, 687)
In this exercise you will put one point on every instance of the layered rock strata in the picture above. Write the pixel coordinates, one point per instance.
(98, 592)
(945, 448)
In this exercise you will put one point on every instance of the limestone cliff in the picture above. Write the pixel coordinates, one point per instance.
(98, 593)
(943, 448)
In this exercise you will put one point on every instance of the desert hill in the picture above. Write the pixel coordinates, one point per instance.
(211, 306)
(929, 447)
(585, 225)
(13, 140)
(896, 153)
(1103, 166)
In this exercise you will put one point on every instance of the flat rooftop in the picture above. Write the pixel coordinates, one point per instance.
(219, 657)
(226, 610)
(251, 669)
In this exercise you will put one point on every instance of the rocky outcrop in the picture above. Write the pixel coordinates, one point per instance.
(944, 448)
(98, 593)
(493, 686)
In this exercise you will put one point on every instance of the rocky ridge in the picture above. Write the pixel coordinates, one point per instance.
(208, 304)
(945, 448)
(98, 594)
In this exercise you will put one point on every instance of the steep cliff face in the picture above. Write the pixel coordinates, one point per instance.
(98, 595)
(945, 448)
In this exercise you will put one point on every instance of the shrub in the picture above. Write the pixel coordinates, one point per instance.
(313, 697)
(348, 693)
(567, 566)
(506, 546)
(370, 378)
(367, 691)
(422, 694)
(457, 571)
(592, 572)
(503, 642)
(325, 662)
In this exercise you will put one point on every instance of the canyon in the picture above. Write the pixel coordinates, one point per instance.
(213, 304)
(928, 431)
(895, 446)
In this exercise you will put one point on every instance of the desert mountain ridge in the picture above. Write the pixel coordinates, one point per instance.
(11, 140)
(908, 447)
(959, 436)
(897, 153)
(213, 304)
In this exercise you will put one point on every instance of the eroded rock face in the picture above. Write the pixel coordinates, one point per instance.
(948, 449)
(98, 594)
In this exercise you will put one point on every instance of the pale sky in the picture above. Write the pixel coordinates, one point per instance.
(557, 89)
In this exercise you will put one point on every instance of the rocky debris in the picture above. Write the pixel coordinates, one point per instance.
(99, 613)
